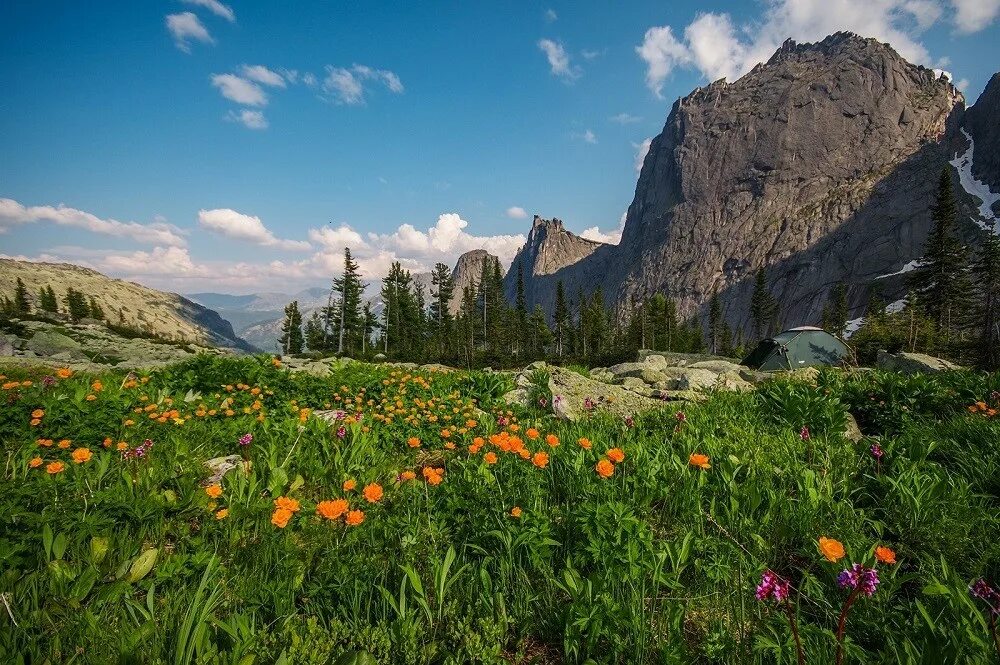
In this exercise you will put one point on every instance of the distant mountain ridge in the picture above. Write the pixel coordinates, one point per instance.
(159, 313)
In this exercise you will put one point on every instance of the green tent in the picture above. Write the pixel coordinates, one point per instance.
(798, 347)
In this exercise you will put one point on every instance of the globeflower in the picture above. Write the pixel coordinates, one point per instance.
(407, 475)
(604, 468)
(699, 460)
(372, 492)
(490, 457)
(413, 442)
(35, 462)
(331, 510)
(832, 549)
(349, 484)
(355, 517)
(885, 555)
(532, 433)
(54, 468)
(287, 503)
(540, 459)
(515, 511)
(214, 491)
(584, 443)
(552, 440)
(81, 455)
(280, 517)
(64, 372)
(616, 455)
(222, 514)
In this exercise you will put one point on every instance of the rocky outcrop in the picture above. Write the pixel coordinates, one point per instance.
(913, 363)
(550, 254)
(467, 273)
(983, 124)
(818, 166)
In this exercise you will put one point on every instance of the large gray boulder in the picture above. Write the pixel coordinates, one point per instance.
(49, 343)
(913, 363)
(571, 392)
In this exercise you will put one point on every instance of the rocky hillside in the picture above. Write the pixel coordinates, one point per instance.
(551, 253)
(152, 312)
(818, 165)
(467, 272)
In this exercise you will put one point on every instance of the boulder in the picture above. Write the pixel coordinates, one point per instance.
(6, 346)
(913, 363)
(851, 431)
(50, 342)
(718, 366)
(656, 360)
(732, 381)
(518, 397)
(636, 385)
(437, 367)
(802, 374)
(621, 370)
(570, 392)
(379, 357)
(696, 379)
(220, 466)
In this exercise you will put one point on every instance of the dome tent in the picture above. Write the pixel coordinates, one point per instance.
(805, 346)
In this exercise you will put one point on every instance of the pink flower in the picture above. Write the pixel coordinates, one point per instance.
(772, 586)
(804, 433)
(859, 577)
(246, 439)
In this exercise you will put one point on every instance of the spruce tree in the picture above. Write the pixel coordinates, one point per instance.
(835, 312)
(763, 308)
(942, 281)
(96, 311)
(21, 303)
(561, 320)
(348, 289)
(47, 299)
(442, 291)
(291, 329)
(715, 324)
(76, 304)
(314, 338)
(369, 324)
(988, 281)
(520, 309)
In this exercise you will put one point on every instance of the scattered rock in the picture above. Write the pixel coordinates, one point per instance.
(802, 374)
(220, 466)
(437, 367)
(570, 392)
(518, 397)
(6, 346)
(379, 357)
(913, 363)
(852, 432)
(734, 382)
(50, 342)
(718, 366)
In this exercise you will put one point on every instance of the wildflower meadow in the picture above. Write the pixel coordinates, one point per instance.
(391, 515)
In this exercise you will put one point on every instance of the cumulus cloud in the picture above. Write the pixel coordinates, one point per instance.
(559, 60)
(587, 137)
(337, 238)
(625, 118)
(262, 74)
(516, 212)
(239, 89)
(975, 15)
(236, 225)
(641, 150)
(248, 118)
(160, 261)
(185, 28)
(347, 86)
(550, 15)
(717, 48)
(216, 7)
(612, 237)
(13, 213)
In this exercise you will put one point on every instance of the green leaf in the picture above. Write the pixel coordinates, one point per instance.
(142, 565)
(277, 481)
(99, 549)
(356, 658)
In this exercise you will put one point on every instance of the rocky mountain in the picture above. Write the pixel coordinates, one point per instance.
(551, 253)
(166, 315)
(244, 311)
(468, 270)
(819, 166)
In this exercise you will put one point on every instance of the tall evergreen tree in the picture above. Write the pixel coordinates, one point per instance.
(291, 329)
(400, 318)
(942, 281)
(763, 307)
(348, 289)
(76, 304)
(369, 324)
(47, 299)
(96, 311)
(988, 281)
(520, 310)
(835, 312)
(21, 303)
(314, 337)
(561, 319)
(442, 291)
(717, 329)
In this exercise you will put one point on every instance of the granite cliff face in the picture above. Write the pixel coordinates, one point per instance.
(983, 124)
(550, 254)
(819, 166)
(467, 272)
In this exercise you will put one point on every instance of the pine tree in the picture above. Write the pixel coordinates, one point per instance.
(291, 329)
(76, 304)
(369, 324)
(988, 281)
(763, 307)
(716, 324)
(21, 303)
(348, 289)
(401, 320)
(442, 291)
(942, 281)
(467, 324)
(539, 335)
(47, 299)
(835, 312)
(96, 311)
(560, 319)
(314, 338)
(520, 309)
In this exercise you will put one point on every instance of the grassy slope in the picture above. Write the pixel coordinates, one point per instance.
(656, 564)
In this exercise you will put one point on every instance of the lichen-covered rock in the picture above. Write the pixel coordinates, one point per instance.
(717, 366)
(571, 393)
(913, 363)
(220, 466)
(50, 342)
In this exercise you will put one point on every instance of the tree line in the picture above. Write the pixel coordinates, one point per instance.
(76, 305)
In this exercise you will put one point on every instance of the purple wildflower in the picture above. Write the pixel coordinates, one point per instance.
(246, 439)
(680, 416)
(876, 451)
(982, 590)
(502, 421)
(772, 586)
(542, 402)
(588, 404)
(629, 421)
(859, 577)
(48, 381)
(804, 433)
(341, 432)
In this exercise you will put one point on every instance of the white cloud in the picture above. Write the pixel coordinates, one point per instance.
(309, 79)
(171, 261)
(238, 226)
(239, 89)
(346, 86)
(262, 74)
(186, 27)
(249, 119)
(559, 61)
(641, 150)
(974, 15)
(625, 118)
(550, 15)
(13, 213)
(337, 238)
(717, 48)
(962, 85)
(516, 212)
(589, 54)
(587, 137)
(612, 237)
(216, 7)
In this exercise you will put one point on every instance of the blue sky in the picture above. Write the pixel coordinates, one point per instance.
(202, 145)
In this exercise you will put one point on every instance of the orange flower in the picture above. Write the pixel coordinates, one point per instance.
(490, 457)
(107, 442)
(584, 443)
(885, 555)
(413, 442)
(450, 445)
(432, 475)
(275, 362)
(604, 468)
(280, 517)
(91, 397)
(471, 423)
(222, 514)
(524, 453)
(616, 455)
(515, 511)
(35, 422)
(540, 459)
(54, 468)
(532, 433)
(699, 460)
(35, 462)
(445, 433)
(65, 443)
(47, 443)
(407, 475)
(214, 491)
(832, 549)
(97, 386)
(373, 492)
(81, 455)
(350, 484)
(287, 503)
(122, 446)
(355, 517)
(64, 372)
(37, 413)
(332, 510)
(552, 440)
